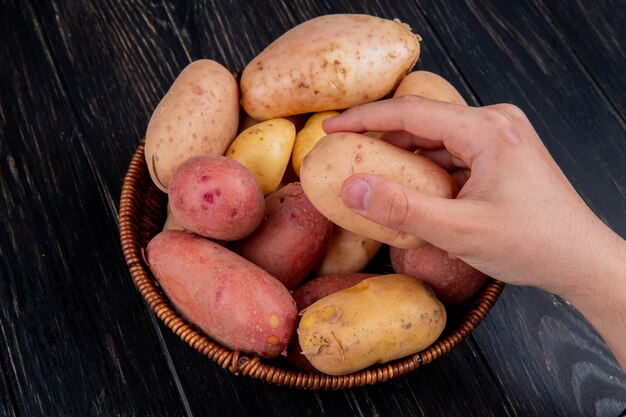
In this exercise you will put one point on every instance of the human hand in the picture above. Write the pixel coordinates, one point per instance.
(516, 217)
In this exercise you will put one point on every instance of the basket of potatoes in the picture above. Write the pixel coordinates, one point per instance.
(234, 232)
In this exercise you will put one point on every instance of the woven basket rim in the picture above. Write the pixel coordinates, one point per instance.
(252, 365)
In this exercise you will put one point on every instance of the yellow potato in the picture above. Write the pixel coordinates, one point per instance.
(198, 116)
(378, 320)
(346, 252)
(340, 155)
(171, 222)
(264, 149)
(308, 137)
(429, 85)
(328, 63)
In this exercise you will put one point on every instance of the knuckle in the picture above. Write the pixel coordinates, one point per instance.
(398, 209)
(500, 122)
(511, 110)
(409, 99)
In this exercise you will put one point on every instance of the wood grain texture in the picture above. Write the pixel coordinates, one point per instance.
(596, 33)
(7, 408)
(79, 82)
(524, 64)
(69, 318)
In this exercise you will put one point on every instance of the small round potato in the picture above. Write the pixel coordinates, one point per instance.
(378, 320)
(198, 116)
(216, 197)
(264, 149)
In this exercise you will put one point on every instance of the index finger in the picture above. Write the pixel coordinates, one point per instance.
(428, 122)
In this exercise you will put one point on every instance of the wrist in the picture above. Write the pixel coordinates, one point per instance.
(598, 289)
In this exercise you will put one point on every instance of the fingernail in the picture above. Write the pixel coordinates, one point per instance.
(356, 193)
(325, 121)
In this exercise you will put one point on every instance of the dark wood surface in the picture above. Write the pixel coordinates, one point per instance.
(78, 82)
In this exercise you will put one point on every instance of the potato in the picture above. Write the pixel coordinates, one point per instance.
(198, 116)
(216, 197)
(310, 134)
(291, 239)
(328, 63)
(171, 222)
(233, 301)
(453, 281)
(319, 287)
(346, 252)
(245, 121)
(310, 292)
(339, 155)
(378, 320)
(264, 149)
(429, 85)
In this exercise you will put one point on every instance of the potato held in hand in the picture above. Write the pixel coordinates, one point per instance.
(291, 239)
(452, 280)
(216, 197)
(378, 320)
(328, 63)
(198, 116)
(231, 300)
(340, 155)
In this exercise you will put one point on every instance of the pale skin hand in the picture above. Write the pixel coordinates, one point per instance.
(516, 217)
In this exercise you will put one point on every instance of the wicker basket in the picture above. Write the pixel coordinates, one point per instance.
(141, 216)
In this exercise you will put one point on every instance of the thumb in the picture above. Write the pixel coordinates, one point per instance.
(437, 220)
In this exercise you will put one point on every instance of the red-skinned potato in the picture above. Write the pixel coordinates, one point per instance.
(452, 280)
(291, 238)
(216, 197)
(230, 299)
(310, 292)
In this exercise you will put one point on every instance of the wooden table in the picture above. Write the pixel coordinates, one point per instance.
(78, 83)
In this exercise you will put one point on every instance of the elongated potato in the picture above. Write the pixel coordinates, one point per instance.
(453, 281)
(378, 320)
(328, 63)
(230, 299)
(291, 239)
(306, 138)
(340, 155)
(429, 85)
(198, 116)
(265, 149)
(346, 252)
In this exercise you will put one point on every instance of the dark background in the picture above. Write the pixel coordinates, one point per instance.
(78, 83)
